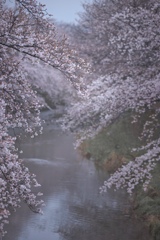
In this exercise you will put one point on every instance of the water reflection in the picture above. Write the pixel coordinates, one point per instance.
(74, 208)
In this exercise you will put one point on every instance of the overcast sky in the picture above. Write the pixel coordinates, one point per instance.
(64, 10)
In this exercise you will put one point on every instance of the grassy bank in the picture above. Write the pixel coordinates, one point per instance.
(111, 148)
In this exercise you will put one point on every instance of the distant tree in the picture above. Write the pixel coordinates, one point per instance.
(122, 40)
(96, 32)
(26, 33)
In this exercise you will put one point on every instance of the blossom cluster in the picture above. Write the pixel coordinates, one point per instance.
(26, 35)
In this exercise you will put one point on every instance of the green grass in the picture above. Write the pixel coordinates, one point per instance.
(112, 146)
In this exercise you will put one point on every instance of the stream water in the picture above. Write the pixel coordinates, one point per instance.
(75, 210)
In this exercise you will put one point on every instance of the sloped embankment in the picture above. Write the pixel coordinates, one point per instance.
(111, 148)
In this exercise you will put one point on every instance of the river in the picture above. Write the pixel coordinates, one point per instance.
(75, 210)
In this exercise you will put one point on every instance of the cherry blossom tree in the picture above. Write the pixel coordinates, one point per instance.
(122, 40)
(26, 34)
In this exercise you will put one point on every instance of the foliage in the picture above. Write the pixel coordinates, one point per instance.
(122, 40)
(26, 34)
(50, 85)
(147, 204)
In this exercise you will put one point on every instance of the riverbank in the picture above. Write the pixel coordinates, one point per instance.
(112, 148)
